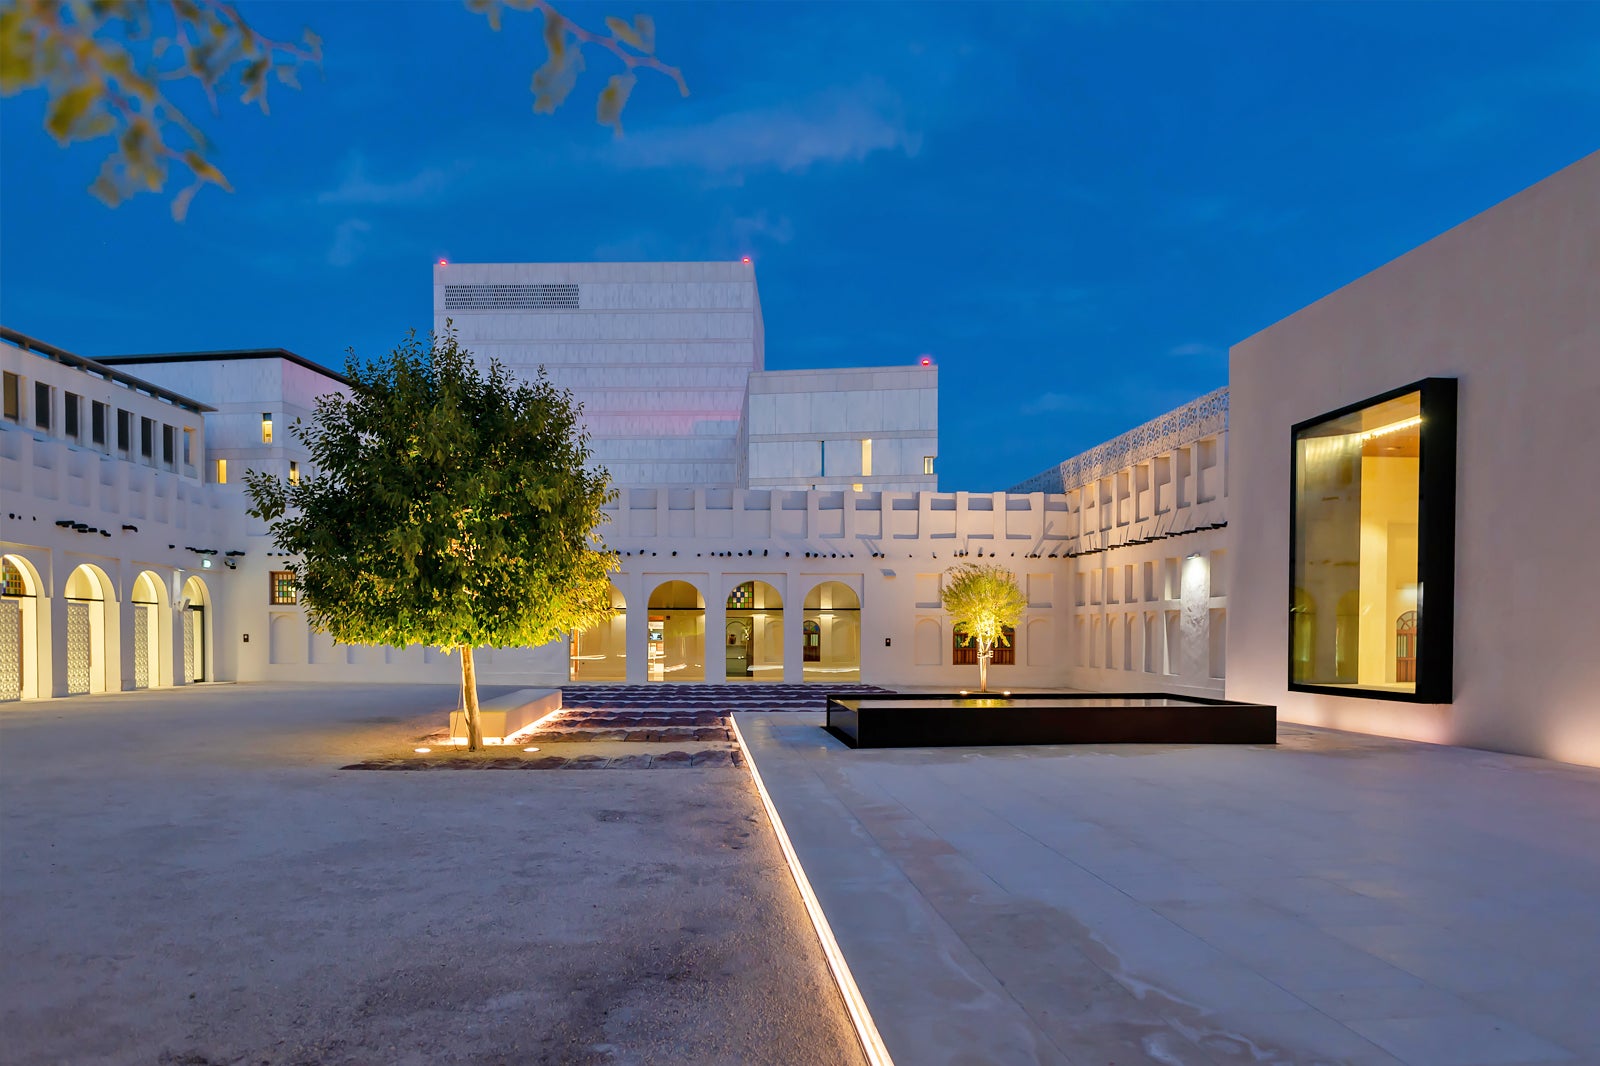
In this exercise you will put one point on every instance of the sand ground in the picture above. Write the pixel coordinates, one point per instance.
(187, 877)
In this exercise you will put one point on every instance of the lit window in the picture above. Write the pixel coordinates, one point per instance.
(294, 472)
(266, 427)
(866, 457)
(927, 464)
(13, 397)
(281, 589)
(1372, 527)
(856, 487)
(188, 446)
(222, 471)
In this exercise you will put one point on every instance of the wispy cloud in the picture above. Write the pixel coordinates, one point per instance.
(1195, 350)
(747, 229)
(1054, 403)
(837, 127)
(347, 241)
(357, 188)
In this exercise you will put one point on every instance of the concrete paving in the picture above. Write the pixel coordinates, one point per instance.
(1332, 899)
(187, 877)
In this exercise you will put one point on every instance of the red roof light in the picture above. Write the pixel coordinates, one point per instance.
(926, 361)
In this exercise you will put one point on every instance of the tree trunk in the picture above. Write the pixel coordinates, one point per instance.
(983, 670)
(469, 697)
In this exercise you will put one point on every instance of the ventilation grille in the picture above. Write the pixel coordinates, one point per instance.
(510, 297)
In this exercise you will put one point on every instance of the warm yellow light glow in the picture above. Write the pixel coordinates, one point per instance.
(866, 456)
(866, 1030)
(222, 471)
(294, 472)
(266, 427)
(856, 487)
(422, 751)
(1392, 427)
(530, 749)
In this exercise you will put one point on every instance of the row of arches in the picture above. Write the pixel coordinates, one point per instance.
(73, 644)
(750, 645)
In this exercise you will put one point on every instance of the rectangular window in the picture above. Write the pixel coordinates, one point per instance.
(266, 427)
(124, 430)
(41, 405)
(147, 437)
(188, 446)
(927, 464)
(1372, 527)
(965, 653)
(294, 472)
(169, 444)
(866, 457)
(69, 414)
(13, 397)
(222, 471)
(97, 422)
(280, 589)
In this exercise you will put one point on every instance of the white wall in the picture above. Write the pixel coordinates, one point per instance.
(805, 427)
(1509, 304)
(659, 354)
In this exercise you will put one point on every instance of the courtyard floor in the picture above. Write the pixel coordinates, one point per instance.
(1331, 899)
(187, 877)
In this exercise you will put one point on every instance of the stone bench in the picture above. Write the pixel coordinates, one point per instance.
(505, 715)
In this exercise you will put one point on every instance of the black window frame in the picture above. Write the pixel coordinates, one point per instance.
(71, 408)
(147, 438)
(124, 430)
(41, 405)
(1436, 545)
(169, 444)
(97, 422)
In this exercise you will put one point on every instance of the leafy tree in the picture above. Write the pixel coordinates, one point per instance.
(983, 601)
(445, 507)
(106, 64)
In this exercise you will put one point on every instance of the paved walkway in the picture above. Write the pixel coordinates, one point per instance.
(1336, 899)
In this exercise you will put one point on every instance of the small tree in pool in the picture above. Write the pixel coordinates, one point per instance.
(983, 601)
(445, 507)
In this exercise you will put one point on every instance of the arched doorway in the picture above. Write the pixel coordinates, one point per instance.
(91, 610)
(599, 652)
(677, 636)
(832, 621)
(196, 630)
(19, 629)
(753, 634)
(152, 632)
(1405, 648)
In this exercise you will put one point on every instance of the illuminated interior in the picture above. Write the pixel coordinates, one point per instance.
(831, 633)
(677, 635)
(1356, 603)
(753, 633)
(599, 653)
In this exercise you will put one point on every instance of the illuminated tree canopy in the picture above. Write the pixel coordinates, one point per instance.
(444, 507)
(983, 601)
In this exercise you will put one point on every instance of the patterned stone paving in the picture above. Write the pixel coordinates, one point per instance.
(657, 717)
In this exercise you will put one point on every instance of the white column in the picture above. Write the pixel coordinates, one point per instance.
(793, 633)
(716, 618)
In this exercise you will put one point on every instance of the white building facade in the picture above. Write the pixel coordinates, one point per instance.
(1383, 524)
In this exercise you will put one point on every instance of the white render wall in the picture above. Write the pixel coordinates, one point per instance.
(1144, 519)
(143, 516)
(805, 428)
(1508, 303)
(659, 354)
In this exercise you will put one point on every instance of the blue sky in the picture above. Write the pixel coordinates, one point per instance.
(1075, 209)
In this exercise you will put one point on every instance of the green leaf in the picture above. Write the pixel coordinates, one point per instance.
(613, 98)
(66, 111)
(623, 32)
